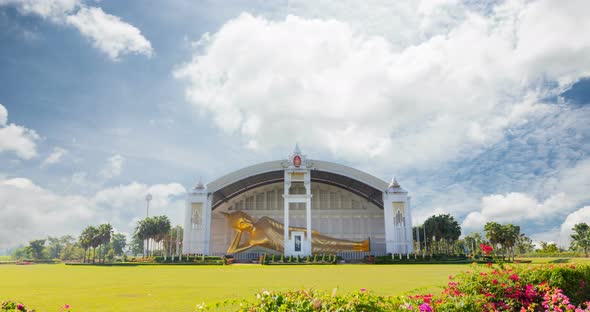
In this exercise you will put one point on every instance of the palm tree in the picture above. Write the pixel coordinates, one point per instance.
(86, 239)
(445, 230)
(105, 232)
(510, 235)
(493, 233)
(94, 242)
(162, 228)
(581, 237)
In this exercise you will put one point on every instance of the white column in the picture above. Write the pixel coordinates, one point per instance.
(196, 239)
(287, 186)
(410, 240)
(307, 184)
(186, 235)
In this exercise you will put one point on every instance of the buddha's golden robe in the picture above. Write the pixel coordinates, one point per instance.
(269, 233)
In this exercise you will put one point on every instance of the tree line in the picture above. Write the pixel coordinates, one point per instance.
(440, 234)
(152, 236)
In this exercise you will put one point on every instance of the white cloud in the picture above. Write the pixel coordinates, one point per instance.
(575, 180)
(127, 202)
(3, 115)
(54, 10)
(517, 207)
(15, 138)
(55, 156)
(581, 215)
(113, 167)
(109, 33)
(20, 140)
(403, 23)
(325, 83)
(28, 211)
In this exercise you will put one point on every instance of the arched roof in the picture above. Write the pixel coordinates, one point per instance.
(356, 181)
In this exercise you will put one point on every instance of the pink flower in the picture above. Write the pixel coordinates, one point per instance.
(66, 306)
(495, 282)
(20, 307)
(363, 289)
(514, 277)
(425, 307)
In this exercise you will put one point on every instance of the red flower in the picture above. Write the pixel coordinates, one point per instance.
(487, 249)
(514, 277)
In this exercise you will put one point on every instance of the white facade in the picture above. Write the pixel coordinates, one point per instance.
(303, 201)
(397, 219)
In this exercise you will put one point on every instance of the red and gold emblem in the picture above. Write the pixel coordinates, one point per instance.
(297, 161)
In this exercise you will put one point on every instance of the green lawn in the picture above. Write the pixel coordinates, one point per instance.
(179, 288)
(557, 260)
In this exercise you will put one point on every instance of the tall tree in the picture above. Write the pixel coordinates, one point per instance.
(118, 241)
(445, 231)
(86, 238)
(510, 234)
(54, 246)
(581, 237)
(524, 244)
(35, 248)
(104, 237)
(493, 234)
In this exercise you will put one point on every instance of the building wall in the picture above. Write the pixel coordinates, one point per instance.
(335, 212)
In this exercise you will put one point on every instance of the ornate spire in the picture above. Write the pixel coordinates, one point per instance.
(394, 183)
(394, 187)
(199, 185)
(297, 159)
(296, 151)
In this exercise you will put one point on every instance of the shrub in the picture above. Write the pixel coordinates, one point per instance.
(493, 288)
(12, 306)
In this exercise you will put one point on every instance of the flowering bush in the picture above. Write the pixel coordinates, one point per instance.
(483, 288)
(486, 249)
(13, 306)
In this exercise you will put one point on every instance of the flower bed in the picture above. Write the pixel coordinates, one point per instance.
(482, 288)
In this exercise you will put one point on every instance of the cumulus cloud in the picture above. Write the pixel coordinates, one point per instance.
(581, 215)
(113, 167)
(107, 32)
(28, 211)
(55, 156)
(326, 83)
(3, 115)
(17, 139)
(517, 207)
(54, 10)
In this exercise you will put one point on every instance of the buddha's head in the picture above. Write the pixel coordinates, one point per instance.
(240, 221)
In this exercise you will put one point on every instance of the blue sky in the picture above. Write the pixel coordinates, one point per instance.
(479, 110)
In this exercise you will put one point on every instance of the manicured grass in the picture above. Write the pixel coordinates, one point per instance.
(47, 287)
(557, 260)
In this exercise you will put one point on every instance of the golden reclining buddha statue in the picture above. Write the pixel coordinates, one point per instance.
(269, 233)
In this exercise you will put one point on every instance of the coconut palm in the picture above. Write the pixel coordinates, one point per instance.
(105, 232)
(87, 240)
